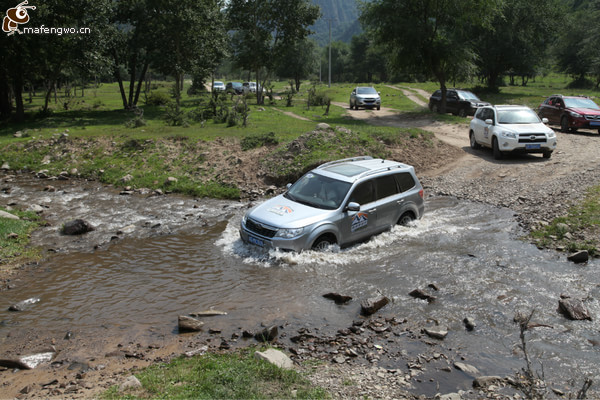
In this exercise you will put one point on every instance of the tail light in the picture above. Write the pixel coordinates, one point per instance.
(421, 193)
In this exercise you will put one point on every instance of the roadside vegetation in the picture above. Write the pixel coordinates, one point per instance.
(14, 237)
(235, 375)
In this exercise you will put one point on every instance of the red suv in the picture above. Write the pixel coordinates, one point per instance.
(571, 112)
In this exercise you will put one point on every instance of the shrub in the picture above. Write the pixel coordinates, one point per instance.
(254, 141)
(158, 99)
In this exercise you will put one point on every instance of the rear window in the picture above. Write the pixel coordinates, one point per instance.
(405, 181)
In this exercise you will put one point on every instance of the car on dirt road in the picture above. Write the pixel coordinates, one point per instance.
(218, 86)
(458, 102)
(338, 203)
(509, 128)
(234, 88)
(365, 96)
(571, 112)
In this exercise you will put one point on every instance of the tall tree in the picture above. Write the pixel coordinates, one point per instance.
(429, 36)
(298, 61)
(264, 29)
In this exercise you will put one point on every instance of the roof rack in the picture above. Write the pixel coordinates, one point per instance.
(361, 158)
(378, 170)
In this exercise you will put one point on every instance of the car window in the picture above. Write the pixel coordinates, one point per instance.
(364, 193)
(464, 95)
(581, 102)
(520, 116)
(451, 94)
(366, 90)
(386, 186)
(405, 181)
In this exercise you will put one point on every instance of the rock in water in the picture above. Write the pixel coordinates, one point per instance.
(371, 306)
(77, 227)
(189, 324)
(573, 309)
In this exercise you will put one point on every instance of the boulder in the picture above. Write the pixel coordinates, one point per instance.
(371, 306)
(579, 257)
(338, 298)
(573, 309)
(469, 323)
(419, 294)
(77, 227)
(189, 324)
(436, 333)
(130, 383)
(275, 357)
(466, 368)
(323, 126)
(4, 214)
(267, 334)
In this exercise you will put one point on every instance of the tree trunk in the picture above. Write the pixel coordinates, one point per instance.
(47, 96)
(177, 90)
(140, 82)
(5, 100)
(132, 71)
(18, 89)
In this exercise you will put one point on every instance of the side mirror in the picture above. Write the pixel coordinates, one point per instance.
(379, 93)
(489, 121)
(545, 120)
(289, 185)
(352, 206)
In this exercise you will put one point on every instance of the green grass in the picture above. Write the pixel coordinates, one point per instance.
(14, 237)
(581, 217)
(220, 376)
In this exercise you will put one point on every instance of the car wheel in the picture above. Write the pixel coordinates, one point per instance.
(323, 243)
(406, 218)
(496, 150)
(378, 108)
(435, 109)
(351, 106)
(547, 154)
(564, 124)
(474, 144)
(462, 112)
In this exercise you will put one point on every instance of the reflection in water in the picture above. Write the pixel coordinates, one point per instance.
(469, 251)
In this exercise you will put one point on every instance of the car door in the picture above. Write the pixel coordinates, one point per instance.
(358, 225)
(480, 128)
(551, 110)
(452, 101)
(388, 203)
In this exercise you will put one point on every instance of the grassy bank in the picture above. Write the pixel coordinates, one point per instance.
(14, 237)
(220, 376)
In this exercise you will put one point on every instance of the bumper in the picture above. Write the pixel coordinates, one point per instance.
(509, 144)
(584, 123)
(368, 102)
(295, 244)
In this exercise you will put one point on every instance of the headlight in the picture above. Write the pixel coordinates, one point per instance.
(289, 233)
(245, 218)
(511, 135)
(574, 114)
(551, 134)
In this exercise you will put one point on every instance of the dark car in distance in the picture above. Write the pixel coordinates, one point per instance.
(458, 102)
(234, 87)
(571, 112)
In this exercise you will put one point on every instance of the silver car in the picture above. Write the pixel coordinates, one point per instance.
(341, 202)
(365, 96)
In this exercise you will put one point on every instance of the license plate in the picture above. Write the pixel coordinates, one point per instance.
(595, 123)
(532, 146)
(256, 241)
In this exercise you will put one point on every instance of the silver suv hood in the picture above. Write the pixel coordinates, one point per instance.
(280, 212)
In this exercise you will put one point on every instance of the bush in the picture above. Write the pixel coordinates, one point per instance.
(175, 117)
(254, 141)
(158, 99)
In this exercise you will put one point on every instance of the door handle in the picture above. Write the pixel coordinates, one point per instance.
(372, 210)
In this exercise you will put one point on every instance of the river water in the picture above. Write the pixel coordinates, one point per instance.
(153, 258)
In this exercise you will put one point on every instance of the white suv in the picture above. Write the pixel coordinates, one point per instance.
(507, 128)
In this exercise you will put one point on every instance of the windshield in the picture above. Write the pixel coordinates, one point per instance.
(318, 191)
(581, 102)
(522, 116)
(366, 90)
(467, 96)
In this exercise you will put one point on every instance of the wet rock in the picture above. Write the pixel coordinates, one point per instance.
(371, 306)
(208, 313)
(43, 174)
(275, 357)
(30, 361)
(485, 381)
(466, 368)
(338, 298)
(23, 305)
(189, 324)
(267, 334)
(420, 294)
(36, 208)
(63, 176)
(130, 383)
(50, 188)
(573, 309)
(579, 257)
(77, 227)
(469, 323)
(4, 214)
(436, 333)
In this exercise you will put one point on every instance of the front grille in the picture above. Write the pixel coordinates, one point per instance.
(592, 117)
(260, 229)
(532, 138)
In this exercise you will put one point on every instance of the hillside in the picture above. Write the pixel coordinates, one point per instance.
(344, 20)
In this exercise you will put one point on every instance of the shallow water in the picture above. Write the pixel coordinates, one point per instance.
(194, 261)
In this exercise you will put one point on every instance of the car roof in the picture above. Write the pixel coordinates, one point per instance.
(510, 107)
(352, 169)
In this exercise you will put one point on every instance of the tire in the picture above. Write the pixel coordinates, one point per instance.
(496, 150)
(564, 124)
(406, 218)
(462, 112)
(474, 144)
(435, 108)
(378, 108)
(322, 243)
(351, 106)
(547, 154)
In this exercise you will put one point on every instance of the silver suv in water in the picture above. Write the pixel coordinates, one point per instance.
(341, 202)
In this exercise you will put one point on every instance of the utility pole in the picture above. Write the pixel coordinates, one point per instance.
(329, 52)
